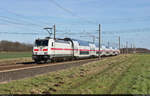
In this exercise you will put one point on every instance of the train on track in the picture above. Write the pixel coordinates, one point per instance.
(51, 50)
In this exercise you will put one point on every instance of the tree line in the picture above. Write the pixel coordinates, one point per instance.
(133, 50)
(14, 46)
(9, 46)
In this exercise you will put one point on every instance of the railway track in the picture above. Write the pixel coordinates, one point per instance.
(10, 66)
(29, 69)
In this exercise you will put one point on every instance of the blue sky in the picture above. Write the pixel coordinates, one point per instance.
(129, 19)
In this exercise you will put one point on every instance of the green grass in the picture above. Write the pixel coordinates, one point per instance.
(8, 55)
(124, 74)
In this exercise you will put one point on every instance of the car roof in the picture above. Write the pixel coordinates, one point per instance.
(82, 42)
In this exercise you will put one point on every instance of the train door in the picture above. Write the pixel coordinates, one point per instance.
(53, 47)
(76, 48)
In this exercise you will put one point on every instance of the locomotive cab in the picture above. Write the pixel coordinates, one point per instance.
(41, 50)
(50, 49)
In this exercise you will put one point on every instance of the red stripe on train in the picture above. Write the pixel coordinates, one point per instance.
(36, 49)
(56, 48)
(68, 49)
(74, 49)
(45, 49)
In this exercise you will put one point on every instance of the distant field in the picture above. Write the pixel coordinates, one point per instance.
(124, 74)
(8, 55)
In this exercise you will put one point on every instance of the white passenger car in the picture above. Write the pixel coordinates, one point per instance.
(49, 49)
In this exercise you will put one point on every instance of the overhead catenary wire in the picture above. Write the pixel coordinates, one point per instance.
(18, 33)
(108, 33)
(24, 17)
(17, 23)
(57, 4)
(21, 25)
(92, 32)
(121, 20)
(71, 12)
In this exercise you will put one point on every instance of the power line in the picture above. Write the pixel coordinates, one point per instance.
(109, 32)
(18, 33)
(21, 24)
(123, 20)
(138, 30)
(70, 12)
(127, 20)
(16, 21)
(12, 22)
(21, 16)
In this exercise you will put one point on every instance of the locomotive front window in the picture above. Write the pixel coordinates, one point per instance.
(41, 43)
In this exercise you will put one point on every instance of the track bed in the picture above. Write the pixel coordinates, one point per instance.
(29, 69)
